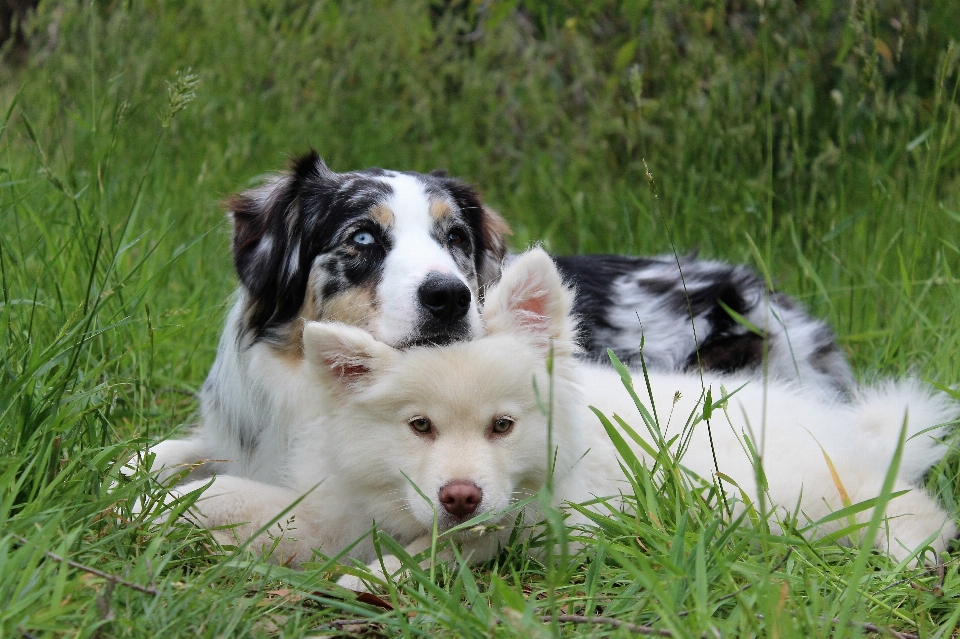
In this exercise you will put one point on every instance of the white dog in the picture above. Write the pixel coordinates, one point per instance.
(461, 424)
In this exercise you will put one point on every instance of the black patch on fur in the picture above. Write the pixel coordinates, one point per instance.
(304, 217)
(704, 288)
(727, 346)
(592, 276)
(729, 354)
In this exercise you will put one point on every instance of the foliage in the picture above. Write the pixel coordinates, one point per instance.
(817, 141)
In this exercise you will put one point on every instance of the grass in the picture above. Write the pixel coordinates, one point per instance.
(817, 142)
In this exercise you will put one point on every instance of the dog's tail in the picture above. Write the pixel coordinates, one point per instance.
(929, 415)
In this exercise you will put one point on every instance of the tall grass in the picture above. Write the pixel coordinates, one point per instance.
(817, 141)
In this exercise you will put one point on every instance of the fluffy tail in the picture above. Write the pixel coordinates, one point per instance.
(930, 416)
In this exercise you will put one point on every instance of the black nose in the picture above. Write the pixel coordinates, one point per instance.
(446, 297)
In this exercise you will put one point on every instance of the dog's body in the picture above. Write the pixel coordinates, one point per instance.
(406, 257)
(623, 299)
(461, 424)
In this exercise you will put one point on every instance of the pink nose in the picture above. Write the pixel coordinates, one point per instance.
(460, 498)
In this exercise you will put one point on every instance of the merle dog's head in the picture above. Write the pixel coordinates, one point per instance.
(402, 255)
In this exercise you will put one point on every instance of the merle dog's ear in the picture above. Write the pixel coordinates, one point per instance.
(259, 224)
(494, 230)
(531, 299)
(269, 261)
(345, 357)
(490, 231)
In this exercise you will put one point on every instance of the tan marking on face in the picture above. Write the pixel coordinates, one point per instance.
(355, 306)
(382, 215)
(289, 343)
(440, 209)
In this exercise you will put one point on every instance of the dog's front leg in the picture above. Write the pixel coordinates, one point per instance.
(239, 510)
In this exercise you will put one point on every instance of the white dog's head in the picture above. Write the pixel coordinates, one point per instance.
(459, 423)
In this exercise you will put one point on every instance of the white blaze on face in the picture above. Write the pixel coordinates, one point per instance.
(415, 254)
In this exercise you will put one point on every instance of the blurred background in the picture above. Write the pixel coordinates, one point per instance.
(815, 140)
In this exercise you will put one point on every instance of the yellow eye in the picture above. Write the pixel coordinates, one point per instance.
(502, 425)
(421, 425)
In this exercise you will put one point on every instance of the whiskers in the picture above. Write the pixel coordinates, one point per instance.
(399, 515)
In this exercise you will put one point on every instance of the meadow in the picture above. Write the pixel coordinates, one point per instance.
(817, 141)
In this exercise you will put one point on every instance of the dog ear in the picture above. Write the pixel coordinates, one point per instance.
(490, 230)
(531, 298)
(344, 356)
(494, 231)
(271, 267)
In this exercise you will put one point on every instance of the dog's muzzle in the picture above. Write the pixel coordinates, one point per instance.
(445, 298)
(445, 302)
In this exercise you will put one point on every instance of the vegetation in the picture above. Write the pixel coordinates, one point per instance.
(817, 141)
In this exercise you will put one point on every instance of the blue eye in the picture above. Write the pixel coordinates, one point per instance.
(363, 238)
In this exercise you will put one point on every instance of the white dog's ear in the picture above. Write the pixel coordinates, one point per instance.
(531, 298)
(343, 355)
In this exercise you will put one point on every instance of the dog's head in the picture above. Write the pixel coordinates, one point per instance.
(404, 256)
(459, 423)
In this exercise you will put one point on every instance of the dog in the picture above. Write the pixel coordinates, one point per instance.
(407, 257)
(424, 436)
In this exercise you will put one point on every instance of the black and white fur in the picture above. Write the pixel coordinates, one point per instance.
(406, 257)
(623, 299)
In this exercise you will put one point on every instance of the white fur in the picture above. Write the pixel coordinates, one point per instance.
(358, 460)
(414, 255)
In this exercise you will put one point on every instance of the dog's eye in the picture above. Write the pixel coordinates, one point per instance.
(421, 425)
(455, 237)
(502, 425)
(363, 238)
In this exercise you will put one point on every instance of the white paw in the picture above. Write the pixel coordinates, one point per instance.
(352, 582)
(376, 572)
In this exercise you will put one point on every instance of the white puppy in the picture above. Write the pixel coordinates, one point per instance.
(461, 424)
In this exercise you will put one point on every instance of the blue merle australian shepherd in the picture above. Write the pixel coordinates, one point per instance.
(406, 256)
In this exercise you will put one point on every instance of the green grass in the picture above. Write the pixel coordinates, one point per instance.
(818, 146)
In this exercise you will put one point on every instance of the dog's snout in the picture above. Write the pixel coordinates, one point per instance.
(446, 297)
(460, 498)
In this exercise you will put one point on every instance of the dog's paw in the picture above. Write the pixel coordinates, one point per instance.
(379, 573)
(354, 583)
